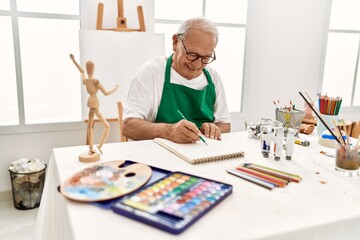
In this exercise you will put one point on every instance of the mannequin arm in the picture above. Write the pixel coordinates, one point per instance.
(76, 63)
(106, 93)
(78, 67)
(83, 77)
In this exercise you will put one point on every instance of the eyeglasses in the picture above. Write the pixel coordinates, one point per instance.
(194, 56)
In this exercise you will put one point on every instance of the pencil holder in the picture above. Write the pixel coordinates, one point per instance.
(289, 118)
(320, 128)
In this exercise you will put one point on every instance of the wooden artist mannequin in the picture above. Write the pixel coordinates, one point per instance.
(92, 86)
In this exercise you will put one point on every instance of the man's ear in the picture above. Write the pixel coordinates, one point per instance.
(175, 39)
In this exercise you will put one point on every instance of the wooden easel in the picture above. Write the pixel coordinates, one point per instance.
(121, 22)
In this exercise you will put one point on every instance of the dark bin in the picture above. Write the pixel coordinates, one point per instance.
(27, 188)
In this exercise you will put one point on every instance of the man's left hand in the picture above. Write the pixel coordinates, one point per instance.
(210, 130)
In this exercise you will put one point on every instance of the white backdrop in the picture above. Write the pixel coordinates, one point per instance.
(117, 57)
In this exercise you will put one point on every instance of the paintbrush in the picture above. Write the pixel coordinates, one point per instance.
(276, 105)
(338, 130)
(346, 134)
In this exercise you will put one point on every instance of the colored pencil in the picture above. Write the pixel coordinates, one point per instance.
(278, 181)
(329, 105)
(273, 173)
(278, 171)
(251, 179)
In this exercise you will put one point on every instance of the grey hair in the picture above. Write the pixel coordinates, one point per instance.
(199, 23)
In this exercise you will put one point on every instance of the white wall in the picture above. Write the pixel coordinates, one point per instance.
(283, 53)
(283, 56)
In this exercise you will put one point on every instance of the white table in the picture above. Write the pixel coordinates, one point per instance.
(324, 205)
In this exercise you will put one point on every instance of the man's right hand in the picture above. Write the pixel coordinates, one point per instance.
(184, 131)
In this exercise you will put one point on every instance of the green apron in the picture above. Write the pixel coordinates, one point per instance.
(196, 105)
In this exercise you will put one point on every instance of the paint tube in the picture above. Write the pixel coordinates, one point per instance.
(266, 134)
(302, 142)
(278, 142)
(290, 141)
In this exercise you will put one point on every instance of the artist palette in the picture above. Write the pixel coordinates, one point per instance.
(106, 181)
(174, 202)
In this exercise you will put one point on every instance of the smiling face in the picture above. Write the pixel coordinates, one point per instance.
(194, 41)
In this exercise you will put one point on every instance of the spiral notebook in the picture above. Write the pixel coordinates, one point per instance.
(199, 152)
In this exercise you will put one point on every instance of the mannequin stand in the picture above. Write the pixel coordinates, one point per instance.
(87, 157)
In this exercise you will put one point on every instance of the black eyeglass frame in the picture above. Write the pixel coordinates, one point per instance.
(192, 57)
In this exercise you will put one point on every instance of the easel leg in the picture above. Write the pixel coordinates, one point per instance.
(141, 19)
(100, 14)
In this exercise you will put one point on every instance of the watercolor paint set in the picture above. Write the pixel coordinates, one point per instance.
(173, 202)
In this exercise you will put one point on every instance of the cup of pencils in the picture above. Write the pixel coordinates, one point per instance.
(329, 108)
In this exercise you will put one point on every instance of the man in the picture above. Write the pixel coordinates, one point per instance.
(182, 83)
